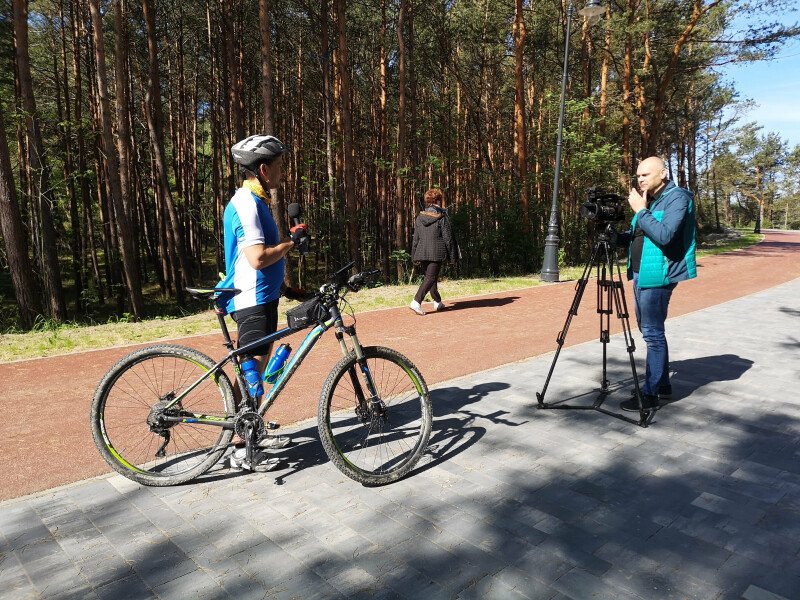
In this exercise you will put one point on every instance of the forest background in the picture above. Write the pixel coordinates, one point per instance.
(116, 120)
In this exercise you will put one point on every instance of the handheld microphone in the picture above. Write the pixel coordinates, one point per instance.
(299, 231)
(294, 213)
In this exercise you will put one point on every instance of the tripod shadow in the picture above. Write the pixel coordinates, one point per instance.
(481, 303)
(692, 374)
(790, 311)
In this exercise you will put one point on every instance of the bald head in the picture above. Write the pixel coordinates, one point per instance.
(651, 175)
(654, 163)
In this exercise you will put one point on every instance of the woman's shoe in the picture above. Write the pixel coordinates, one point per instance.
(416, 307)
(437, 306)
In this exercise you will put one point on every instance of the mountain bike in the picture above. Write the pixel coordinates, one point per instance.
(165, 414)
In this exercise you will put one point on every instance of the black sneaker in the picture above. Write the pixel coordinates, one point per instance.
(631, 405)
(664, 393)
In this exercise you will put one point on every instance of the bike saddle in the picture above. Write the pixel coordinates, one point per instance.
(210, 293)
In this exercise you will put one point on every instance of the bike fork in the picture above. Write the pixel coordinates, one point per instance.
(371, 397)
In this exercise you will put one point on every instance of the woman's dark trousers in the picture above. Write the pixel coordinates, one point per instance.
(431, 269)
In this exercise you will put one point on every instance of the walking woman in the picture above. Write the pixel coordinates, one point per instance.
(433, 244)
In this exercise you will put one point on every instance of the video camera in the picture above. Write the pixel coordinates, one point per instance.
(603, 207)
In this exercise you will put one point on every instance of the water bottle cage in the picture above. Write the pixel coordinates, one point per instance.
(273, 377)
(277, 363)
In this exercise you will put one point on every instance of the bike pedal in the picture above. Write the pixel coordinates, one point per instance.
(272, 425)
(264, 466)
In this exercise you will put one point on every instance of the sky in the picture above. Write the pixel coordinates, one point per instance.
(775, 88)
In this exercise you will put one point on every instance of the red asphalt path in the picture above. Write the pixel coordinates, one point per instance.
(46, 439)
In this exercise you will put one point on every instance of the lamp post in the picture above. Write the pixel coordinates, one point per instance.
(591, 12)
(759, 217)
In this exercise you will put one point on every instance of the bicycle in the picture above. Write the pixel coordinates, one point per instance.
(165, 414)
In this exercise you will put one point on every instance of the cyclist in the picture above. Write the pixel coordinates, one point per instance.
(255, 261)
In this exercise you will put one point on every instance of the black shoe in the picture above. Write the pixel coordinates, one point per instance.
(648, 403)
(664, 393)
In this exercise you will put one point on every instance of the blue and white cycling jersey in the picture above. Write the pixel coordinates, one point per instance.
(248, 221)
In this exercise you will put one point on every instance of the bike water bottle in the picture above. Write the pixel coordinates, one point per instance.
(275, 365)
(253, 377)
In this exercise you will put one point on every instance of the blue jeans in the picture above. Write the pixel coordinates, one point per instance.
(651, 313)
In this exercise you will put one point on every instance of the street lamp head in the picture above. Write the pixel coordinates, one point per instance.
(593, 11)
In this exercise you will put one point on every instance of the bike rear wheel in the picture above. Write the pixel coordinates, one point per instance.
(127, 406)
(378, 439)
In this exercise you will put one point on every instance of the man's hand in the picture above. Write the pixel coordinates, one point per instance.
(298, 232)
(637, 201)
(293, 293)
(299, 235)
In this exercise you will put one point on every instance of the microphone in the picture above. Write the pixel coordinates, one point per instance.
(294, 213)
(299, 231)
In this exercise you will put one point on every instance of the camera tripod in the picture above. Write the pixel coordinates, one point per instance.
(610, 296)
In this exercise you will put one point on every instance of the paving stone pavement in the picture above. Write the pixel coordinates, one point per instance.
(509, 502)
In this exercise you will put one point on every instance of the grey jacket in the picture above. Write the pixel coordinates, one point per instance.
(433, 237)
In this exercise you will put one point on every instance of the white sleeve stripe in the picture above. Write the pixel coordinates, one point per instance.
(247, 212)
(247, 243)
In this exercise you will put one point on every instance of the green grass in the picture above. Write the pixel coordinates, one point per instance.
(52, 340)
(747, 238)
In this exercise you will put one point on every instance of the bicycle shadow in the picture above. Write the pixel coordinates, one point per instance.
(453, 431)
(304, 452)
(480, 303)
(790, 311)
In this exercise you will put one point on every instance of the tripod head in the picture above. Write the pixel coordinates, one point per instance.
(606, 232)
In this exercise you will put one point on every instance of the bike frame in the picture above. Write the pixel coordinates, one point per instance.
(234, 355)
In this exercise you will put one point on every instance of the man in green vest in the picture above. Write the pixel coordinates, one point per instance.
(661, 252)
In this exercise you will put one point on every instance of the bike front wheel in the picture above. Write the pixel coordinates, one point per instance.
(375, 416)
(139, 438)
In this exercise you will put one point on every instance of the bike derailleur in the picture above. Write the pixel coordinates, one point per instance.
(159, 425)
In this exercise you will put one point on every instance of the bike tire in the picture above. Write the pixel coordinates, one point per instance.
(124, 399)
(371, 449)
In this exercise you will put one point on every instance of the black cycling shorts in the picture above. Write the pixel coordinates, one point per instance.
(255, 322)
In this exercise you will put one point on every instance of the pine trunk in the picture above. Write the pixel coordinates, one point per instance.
(16, 243)
(383, 149)
(278, 205)
(42, 192)
(130, 261)
(400, 160)
(519, 113)
(353, 221)
(69, 168)
(155, 130)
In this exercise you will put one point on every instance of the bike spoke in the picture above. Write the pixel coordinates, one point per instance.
(134, 414)
(384, 436)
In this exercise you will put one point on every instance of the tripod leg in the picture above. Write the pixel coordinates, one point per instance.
(580, 287)
(604, 308)
(621, 306)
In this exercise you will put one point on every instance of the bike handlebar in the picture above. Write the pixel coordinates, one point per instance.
(341, 280)
(359, 279)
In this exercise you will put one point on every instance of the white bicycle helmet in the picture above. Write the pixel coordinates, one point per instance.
(256, 149)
